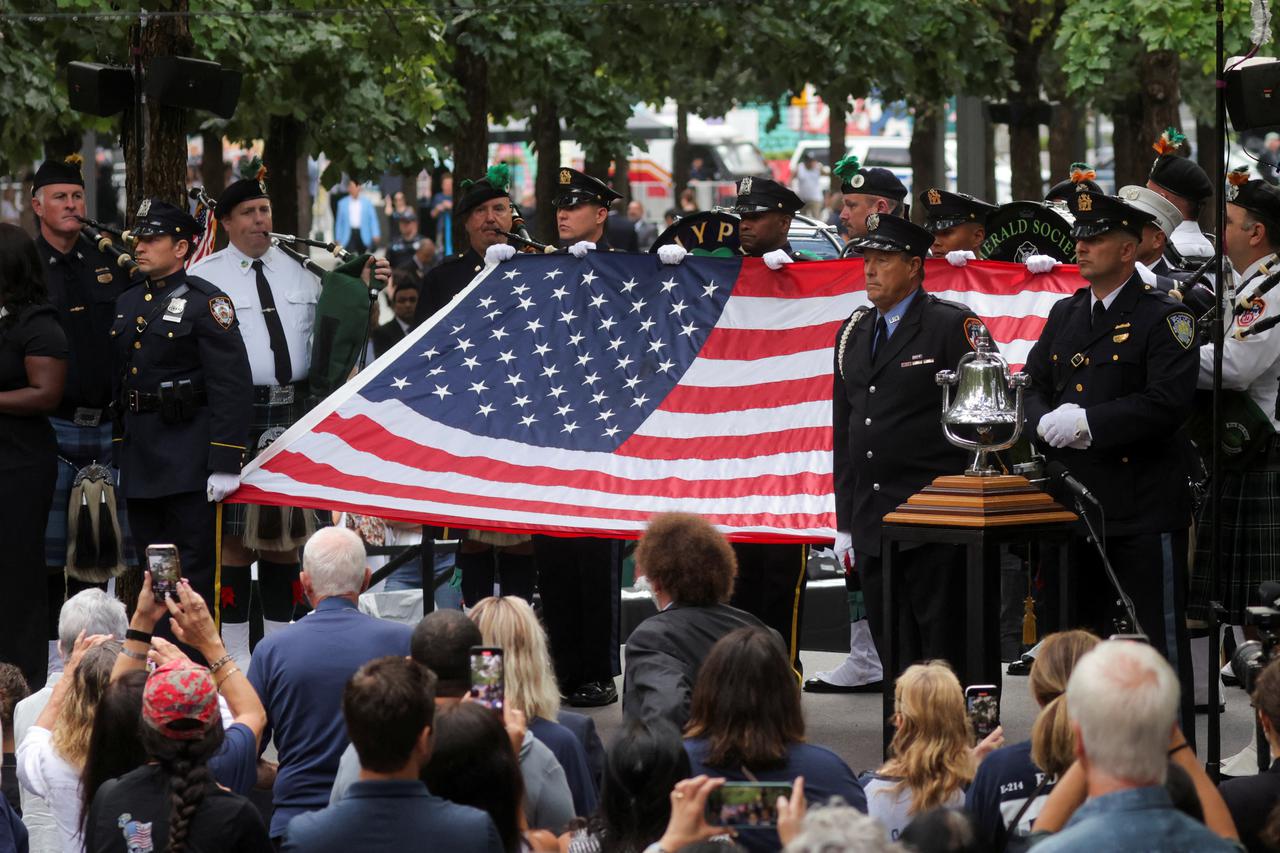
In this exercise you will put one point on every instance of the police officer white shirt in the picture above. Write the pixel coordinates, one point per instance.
(1190, 241)
(295, 292)
(1251, 365)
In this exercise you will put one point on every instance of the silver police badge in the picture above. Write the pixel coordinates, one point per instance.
(144, 208)
(1184, 328)
(873, 221)
(1232, 192)
(745, 187)
(176, 305)
(857, 180)
(1129, 193)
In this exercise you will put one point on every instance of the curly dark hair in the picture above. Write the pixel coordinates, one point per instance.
(186, 764)
(13, 689)
(687, 558)
(22, 281)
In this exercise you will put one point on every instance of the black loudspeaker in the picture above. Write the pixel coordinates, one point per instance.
(1253, 94)
(100, 90)
(180, 81)
(228, 93)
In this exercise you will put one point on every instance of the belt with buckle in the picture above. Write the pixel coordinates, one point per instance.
(277, 395)
(141, 402)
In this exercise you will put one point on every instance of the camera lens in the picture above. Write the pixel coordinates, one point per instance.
(1246, 661)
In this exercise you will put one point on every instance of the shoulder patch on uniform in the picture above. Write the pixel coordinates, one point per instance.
(1250, 315)
(224, 313)
(1183, 327)
(975, 332)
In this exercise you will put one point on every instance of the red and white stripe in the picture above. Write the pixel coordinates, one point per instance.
(208, 240)
(744, 439)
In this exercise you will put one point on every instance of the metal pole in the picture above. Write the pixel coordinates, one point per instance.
(1213, 751)
(138, 136)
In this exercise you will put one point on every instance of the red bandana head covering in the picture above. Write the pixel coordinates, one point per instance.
(180, 700)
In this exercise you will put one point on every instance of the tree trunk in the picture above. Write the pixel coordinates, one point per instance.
(280, 153)
(213, 168)
(681, 157)
(1160, 94)
(835, 138)
(622, 177)
(1209, 156)
(546, 142)
(1024, 159)
(1067, 132)
(926, 170)
(471, 145)
(1133, 151)
(164, 168)
(989, 168)
(596, 164)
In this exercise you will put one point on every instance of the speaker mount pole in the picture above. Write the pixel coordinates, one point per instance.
(139, 135)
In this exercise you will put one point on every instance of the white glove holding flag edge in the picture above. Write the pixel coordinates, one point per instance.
(672, 253)
(960, 257)
(777, 259)
(580, 248)
(499, 252)
(221, 484)
(1037, 264)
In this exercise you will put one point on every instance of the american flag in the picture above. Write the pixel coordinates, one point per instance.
(581, 396)
(208, 240)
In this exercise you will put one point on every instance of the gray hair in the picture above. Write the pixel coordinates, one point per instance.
(1124, 697)
(91, 611)
(334, 561)
(840, 828)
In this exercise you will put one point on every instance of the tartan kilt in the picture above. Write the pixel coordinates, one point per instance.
(266, 416)
(1250, 545)
(78, 446)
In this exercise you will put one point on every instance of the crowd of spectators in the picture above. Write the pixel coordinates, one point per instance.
(376, 744)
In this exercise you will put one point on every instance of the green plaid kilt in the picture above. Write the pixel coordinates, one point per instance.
(266, 416)
(1250, 545)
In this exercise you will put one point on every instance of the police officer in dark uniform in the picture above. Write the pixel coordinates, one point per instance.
(1112, 380)
(184, 392)
(403, 248)
(958, 221)
(887, 440)
(766, 208)
(84, 283)
(485, 212)
(580, 577)
(866, 190)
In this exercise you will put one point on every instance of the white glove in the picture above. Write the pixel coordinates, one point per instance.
(672, 253)
(220, 485)
(844, 549)
(1037, 264)
(1084, 438)
(960, 257)
(777, 259)
(1061, 427)
(499, 252)
(580, 248)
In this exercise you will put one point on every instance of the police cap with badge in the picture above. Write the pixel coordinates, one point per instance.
(945, 210)
(1165, 214)
(1179, 175)
(1096, 214)
(65, 171)
(868, 181)
(763, 195)
(160, 219)
(576, 188)
(889, 233)
(251, 186)
(494, 184)
(1079, 180)
(1257, 197)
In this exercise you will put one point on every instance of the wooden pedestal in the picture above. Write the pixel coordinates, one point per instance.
(970, 501)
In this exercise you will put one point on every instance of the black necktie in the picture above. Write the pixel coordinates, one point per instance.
(275, 328)
(880, 336)
(1098, 310)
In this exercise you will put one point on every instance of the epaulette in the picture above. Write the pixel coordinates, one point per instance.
(201, 285)
(854, 318)
(959, 306)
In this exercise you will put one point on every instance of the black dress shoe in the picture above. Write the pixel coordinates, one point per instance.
(817, 685)
(594, 694)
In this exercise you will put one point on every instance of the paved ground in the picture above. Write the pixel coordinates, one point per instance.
(851, 724)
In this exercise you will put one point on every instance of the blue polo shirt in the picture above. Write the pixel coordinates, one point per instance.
(300, 673)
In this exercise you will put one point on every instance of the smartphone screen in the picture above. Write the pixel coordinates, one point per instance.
(165, 568)
(982, 701)
(746, 804)
(486, 676)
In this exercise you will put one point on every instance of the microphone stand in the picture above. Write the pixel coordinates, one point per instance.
(1123, 596)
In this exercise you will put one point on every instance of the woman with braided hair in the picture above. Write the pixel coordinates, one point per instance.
(172, 804)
